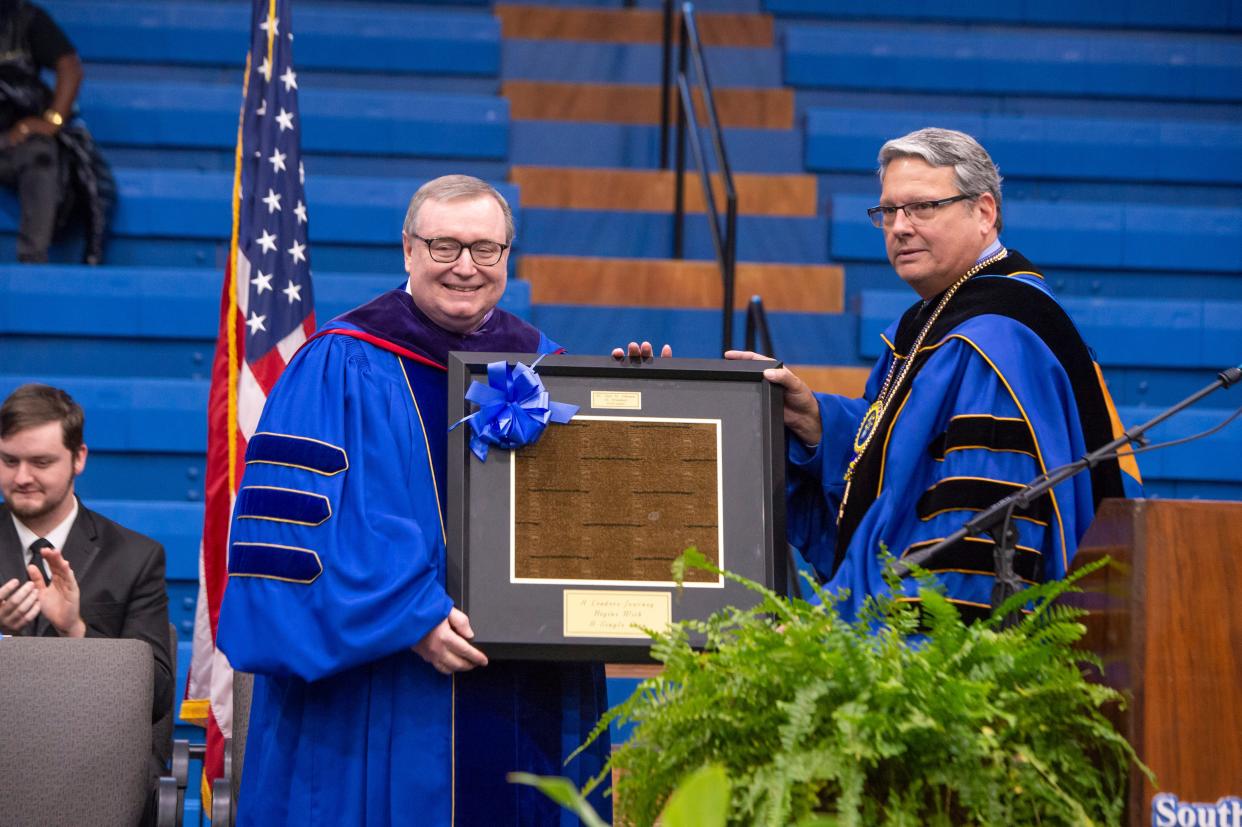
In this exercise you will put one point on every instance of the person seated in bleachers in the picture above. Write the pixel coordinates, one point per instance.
(50, 161)
(66, 571)
(984, 384)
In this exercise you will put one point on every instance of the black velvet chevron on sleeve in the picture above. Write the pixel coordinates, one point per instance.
(974, 555)
(987, 432)
(976, 494)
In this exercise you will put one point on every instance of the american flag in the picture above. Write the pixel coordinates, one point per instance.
(266, 313)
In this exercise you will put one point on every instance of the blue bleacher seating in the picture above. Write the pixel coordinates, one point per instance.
(111, 322)
(1083, 234)
(637, 146)
(1078, 147)
(1162, 332)
(374, 122)
(805, 338)
(1210, 15)
(881, 56)
(391, 40)
(583, 62)
(650, 235)
(183, 204)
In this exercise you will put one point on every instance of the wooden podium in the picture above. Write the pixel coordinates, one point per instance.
(1167, 619)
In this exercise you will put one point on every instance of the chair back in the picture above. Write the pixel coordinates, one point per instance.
(162, 731)
(243, 688)
(75, 730)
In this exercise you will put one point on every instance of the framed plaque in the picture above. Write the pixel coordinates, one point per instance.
(563, 549)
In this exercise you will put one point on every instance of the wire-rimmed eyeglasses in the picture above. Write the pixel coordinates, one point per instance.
(919, 212)
(446, 250)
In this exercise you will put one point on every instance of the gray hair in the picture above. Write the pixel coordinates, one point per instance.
(453, 188)
(974, 173)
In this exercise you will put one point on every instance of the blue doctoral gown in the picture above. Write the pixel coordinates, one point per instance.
(337, 568)
(1003, 390)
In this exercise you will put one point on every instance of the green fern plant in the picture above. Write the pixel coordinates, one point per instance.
(906, 717)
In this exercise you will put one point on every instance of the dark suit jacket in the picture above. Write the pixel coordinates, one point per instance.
(120, 575)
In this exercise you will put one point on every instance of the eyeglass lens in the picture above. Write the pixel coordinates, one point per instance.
(445, 250)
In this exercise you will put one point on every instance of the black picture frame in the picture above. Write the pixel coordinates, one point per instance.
(528, 619)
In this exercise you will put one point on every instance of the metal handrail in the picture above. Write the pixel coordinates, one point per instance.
(724, 239)
(757, 332)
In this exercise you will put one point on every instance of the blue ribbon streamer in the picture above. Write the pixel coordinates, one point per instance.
(514, 408)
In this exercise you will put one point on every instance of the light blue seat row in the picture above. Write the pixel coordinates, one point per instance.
(179, 526)
(358, 122)
(637, 146)
(184, 204)
(159, 322)
(1082, 234)
(1124, 149)
(1152, 333)
(399, 39)
(650, 235)
(1213, 15)
(1193, 67)
(804, 338)
(569, 61)
(132, 414)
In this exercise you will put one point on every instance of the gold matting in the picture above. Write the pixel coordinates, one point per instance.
(616, 500)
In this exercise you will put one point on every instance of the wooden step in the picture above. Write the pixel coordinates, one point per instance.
(839, 379)
(643, 190)
(641, 671)
(641, 282)
(758, 108)
(628, 25)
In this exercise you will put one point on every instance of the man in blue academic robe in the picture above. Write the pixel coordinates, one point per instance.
(984, 384)
(370, 704)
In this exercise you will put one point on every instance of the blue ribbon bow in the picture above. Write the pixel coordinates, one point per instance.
(514, 408)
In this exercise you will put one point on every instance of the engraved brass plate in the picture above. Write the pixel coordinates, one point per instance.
(607, 614)
(617, 400)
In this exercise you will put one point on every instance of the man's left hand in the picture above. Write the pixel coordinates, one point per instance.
(61, 601)
(29, 127)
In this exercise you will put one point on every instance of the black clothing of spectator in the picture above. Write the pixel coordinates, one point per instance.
(52, 163)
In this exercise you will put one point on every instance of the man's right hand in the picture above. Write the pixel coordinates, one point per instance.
(801, 406)
(638, 352)
(447, 646)
(19, 606)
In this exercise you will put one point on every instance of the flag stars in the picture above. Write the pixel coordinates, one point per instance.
(297, 252)
(273, 23)
(262, 282)
(300, 212)
(272, 199)
(293, 291)
(285, 119)
(261, 111)
(277, 160)
(265, 69)
(290, 78)
(256, 323)
(301, 174)
(267, 241)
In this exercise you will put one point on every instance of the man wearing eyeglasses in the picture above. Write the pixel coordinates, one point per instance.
(370, 702)
(984, 384)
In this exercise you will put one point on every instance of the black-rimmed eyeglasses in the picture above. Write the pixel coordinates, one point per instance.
(919, 212)
(447, 250)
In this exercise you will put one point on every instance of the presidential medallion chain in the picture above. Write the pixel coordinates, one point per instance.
(888, 391)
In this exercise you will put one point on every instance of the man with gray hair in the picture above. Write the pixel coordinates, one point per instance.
(370, 703)
(984, 384)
